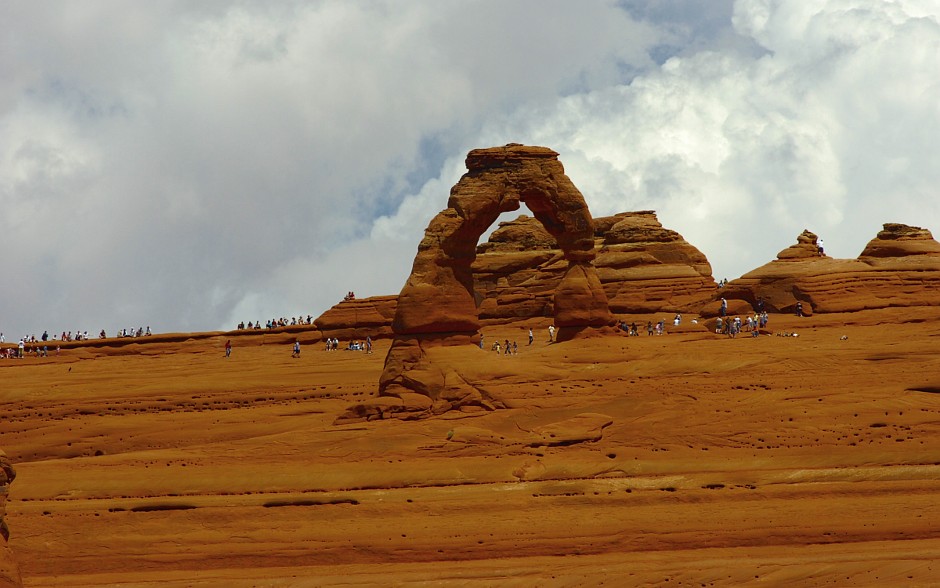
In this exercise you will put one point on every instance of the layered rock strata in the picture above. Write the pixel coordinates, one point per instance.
(438, 307)
(9, 573)
(642, 266)
(359, 318)
(899, 267)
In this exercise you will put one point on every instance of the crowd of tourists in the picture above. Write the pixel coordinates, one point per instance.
(332, 344)
(39, 346)
(732, 326)
(276, 323)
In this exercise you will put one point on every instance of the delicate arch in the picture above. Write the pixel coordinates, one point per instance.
(436, 306)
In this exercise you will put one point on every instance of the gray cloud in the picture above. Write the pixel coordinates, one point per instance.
(182, 164)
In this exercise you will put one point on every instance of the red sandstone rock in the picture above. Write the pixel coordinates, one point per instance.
(900, 241)
(646, 268)
(359, 318)
(9, 574)
(642, 267)
(900, 267)
(438, 306)
(806, 247)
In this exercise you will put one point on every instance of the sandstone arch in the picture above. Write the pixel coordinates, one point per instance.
(436, 306)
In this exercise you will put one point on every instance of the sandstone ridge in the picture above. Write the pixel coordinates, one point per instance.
(642, 267)
(900, 267)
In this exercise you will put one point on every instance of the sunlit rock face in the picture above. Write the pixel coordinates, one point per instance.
(899, 267)
(642, 267)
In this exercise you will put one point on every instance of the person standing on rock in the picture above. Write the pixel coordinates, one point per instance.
(551, 333)
(368, 344)
(228, 348)
(724, 307)
(531, 336)
(296, 352)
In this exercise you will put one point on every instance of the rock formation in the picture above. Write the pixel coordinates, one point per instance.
(642, 267)
(9, 574)
(899, 267)
(897, 241)
(437, 306)
(359, 318)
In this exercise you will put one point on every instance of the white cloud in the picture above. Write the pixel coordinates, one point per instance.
(191, 165)
(833, 126)
(170, 163)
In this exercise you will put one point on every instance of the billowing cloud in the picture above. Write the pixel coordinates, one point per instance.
(192, 165)
(176, 163)
(824, 116)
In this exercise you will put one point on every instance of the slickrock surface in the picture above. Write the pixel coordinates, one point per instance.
(437, 305)
(9, 574)
(900, 267)
(684, 460)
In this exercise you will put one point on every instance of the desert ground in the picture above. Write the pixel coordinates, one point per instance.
(689, 459)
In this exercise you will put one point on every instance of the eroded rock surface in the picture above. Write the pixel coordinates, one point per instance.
(9, 573)
(359, 318)
(899, 267)
(642, 267)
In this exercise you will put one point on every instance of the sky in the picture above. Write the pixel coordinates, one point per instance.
(191, 165)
